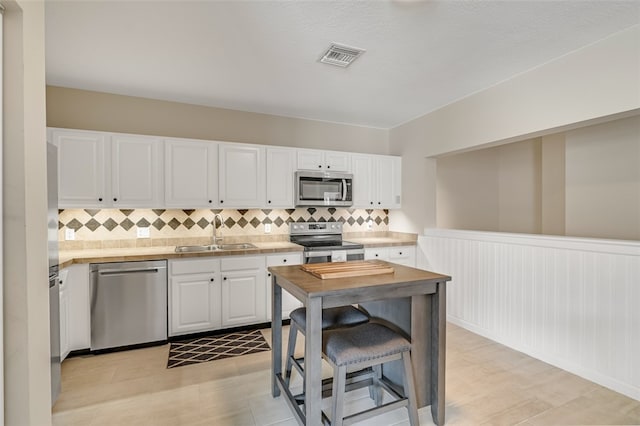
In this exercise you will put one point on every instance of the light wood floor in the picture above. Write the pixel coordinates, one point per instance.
(487, 383)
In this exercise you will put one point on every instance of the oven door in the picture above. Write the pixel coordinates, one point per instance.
(333, 255)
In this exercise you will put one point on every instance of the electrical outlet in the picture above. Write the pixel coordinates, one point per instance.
(370, 224)
(69, 234)
(267, 228)
(143, 232)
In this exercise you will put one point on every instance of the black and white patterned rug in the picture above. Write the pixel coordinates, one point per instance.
(210, 348)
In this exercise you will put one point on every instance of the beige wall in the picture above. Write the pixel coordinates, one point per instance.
(26, 299)
(468, 191)
(553, 184)
(80, 109)
(519, 186)
(593, 84)
(494, 189)
(603, 180)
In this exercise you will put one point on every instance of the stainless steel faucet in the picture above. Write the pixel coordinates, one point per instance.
(215, 228)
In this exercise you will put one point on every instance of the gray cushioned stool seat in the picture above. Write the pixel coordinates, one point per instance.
(365, 342)
(332, 318)
(364, 346)
(341, 316)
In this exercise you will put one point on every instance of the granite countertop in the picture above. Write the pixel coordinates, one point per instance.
(69, 257)
(372, 242)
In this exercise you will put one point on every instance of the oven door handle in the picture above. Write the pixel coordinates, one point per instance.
(310, 254)
(344, 190)
(327, 253)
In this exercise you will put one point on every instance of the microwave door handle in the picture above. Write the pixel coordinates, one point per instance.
(344, 190)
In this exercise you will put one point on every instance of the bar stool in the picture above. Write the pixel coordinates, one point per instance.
(332, 318)
(362, 346)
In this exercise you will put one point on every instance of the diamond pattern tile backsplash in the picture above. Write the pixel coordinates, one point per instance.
(114, 224)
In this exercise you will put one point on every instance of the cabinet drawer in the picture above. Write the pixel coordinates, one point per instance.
(403, 252)
(241, 263)
(284, 259)
(193, 266)
(404, 255)
(379, 253)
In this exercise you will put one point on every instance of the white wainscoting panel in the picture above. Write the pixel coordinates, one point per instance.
(571, 302)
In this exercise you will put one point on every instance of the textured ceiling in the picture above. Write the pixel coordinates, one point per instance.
(262, 56)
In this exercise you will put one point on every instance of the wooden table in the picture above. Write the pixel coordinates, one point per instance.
(425, 295)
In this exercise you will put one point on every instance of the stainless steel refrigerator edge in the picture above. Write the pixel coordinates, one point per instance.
(54, 284)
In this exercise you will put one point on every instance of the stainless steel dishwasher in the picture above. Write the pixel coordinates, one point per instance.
(128, 303)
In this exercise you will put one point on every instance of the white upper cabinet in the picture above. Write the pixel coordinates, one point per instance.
(388, 173)
(191, 173)
(103, 170)
(241, 173)
(363, 180)
(310, 159)
(280, 170)
(376, 181)
(83, 163)
(136, 167)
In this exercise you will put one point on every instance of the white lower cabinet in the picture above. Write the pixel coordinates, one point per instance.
(403, 255)
(243, 290)
(195, 295)
(75, 316)
(289, 303)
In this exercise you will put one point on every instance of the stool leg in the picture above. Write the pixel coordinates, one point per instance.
(410, 390)
(375, 390)
(337, 400)
(293, 332)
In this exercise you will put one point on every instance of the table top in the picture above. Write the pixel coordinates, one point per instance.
(404, 281)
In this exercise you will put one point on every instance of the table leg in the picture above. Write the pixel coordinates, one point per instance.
(438, 352)
(276, 335)
(421, 347)
(313, 362)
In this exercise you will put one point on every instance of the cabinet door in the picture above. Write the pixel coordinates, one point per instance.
(243, 298)
(195, 303)
(309, 159)
(82, 162)
(280, 169)
(241, 176)
(64, 315)
(389, 175)
(77, 284)
(363, 181)
(289, 303)
(191, 174)
(136, 178)
(243, 290)
(337, 161)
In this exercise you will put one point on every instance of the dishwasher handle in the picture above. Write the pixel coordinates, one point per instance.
(113, 272)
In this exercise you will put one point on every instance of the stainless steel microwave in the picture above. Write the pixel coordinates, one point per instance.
(323, 189)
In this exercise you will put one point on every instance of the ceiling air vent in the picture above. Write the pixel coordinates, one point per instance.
(341, 55)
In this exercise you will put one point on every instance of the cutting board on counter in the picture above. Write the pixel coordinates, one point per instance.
(356, 268)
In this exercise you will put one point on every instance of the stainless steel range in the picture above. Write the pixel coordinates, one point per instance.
(322, 242)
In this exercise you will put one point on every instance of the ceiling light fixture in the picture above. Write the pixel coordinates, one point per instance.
(341, 55)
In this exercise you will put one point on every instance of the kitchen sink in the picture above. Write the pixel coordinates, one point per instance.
(238, 246)
(214, 247)
(192, 249)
